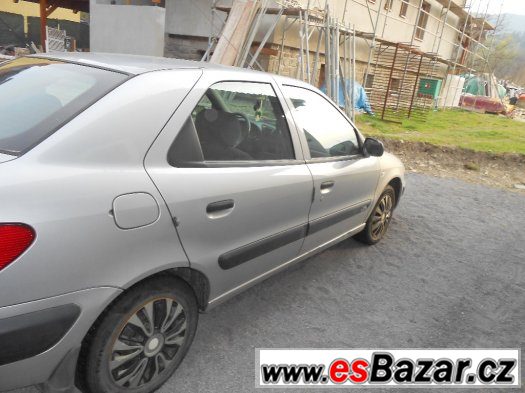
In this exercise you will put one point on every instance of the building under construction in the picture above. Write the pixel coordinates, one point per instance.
(408, 54)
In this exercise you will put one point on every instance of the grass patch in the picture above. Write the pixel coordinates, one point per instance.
(480, 132)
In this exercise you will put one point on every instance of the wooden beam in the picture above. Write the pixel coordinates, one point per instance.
(54, 4)
(234, 32)
(43, 23)
(267, 51)
(51, 9)
(74, 5)
(289, 11)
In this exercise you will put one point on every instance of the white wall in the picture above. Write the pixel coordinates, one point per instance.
(129, 29)
(192, 17)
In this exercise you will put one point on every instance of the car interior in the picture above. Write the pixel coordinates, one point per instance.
(226, 135)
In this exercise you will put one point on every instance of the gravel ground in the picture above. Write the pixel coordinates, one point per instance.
(450, 273)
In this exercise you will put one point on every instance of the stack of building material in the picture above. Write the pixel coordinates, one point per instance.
(451, 91)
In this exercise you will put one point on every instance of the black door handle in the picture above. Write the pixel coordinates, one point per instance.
(219, 205)
(327, 184)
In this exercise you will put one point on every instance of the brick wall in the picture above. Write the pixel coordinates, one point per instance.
(184, 47)
(290, 64)
(193, 48)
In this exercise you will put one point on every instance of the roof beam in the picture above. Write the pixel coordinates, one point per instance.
(74, 5)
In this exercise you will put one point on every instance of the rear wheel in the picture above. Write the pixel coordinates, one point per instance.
(141, 339)
(379, 220)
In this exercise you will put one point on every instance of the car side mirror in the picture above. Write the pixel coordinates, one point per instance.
(373, 147)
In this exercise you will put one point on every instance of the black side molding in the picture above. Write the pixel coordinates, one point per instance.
(332, 219)
(27, 335)
(253, 250)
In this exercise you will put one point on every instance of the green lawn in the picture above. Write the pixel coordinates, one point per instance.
(481, 132)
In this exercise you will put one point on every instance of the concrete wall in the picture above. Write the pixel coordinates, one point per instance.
(129, 29)
(193, 18)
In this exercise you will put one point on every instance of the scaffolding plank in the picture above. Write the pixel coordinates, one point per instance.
(454, 8)
(234, 32)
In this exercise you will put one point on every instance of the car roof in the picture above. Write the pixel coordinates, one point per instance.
(138, 64)
(131, 64)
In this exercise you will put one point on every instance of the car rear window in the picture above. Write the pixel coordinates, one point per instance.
(38, 96)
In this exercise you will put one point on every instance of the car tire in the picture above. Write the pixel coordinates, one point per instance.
(124, 352)
(379, 219)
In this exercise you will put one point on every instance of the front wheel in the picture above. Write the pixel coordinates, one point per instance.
(379, 220)
(141, 339)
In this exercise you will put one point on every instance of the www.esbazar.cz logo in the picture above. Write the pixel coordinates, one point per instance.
(403, 367)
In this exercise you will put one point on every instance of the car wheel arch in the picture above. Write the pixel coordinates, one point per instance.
(194, 278)
(196, 281)
(397, 185)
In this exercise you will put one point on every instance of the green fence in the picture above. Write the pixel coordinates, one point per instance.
(12, 29)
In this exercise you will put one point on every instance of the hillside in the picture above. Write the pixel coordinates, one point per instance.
(511, 23)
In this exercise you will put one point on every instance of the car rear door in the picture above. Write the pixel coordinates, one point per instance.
(240, 206)
(344, 179)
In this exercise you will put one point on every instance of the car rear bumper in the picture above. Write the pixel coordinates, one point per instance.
(36, 336)
(26, 335)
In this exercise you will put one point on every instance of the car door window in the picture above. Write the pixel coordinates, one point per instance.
(236, 121)
(327, 131)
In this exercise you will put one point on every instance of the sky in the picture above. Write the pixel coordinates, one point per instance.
(509, 6)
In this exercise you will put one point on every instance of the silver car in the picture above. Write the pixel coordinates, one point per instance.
(136, 192)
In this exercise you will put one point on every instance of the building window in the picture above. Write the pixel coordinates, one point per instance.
(369, 83)
(404, 9)
(422, 21)
(395, 85)
(388, 5)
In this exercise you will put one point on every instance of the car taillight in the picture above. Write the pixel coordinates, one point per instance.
(14, 240)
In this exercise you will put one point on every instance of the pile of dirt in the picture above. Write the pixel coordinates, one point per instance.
(496, 170)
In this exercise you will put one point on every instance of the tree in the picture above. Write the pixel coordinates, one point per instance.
(505, 53)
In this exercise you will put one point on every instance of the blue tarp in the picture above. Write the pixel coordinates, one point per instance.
(360, 98)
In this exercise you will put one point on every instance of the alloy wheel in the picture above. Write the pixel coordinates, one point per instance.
(148, 343)
(382, 216)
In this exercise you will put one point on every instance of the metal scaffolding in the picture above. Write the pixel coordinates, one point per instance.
(468, 53)
(338, 52)
(393, 71)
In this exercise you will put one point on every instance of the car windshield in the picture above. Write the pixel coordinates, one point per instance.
(38, 96)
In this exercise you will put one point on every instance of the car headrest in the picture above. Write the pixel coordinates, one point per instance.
(218, 126)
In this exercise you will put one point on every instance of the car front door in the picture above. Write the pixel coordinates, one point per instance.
(344, 179)
(234, 180)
